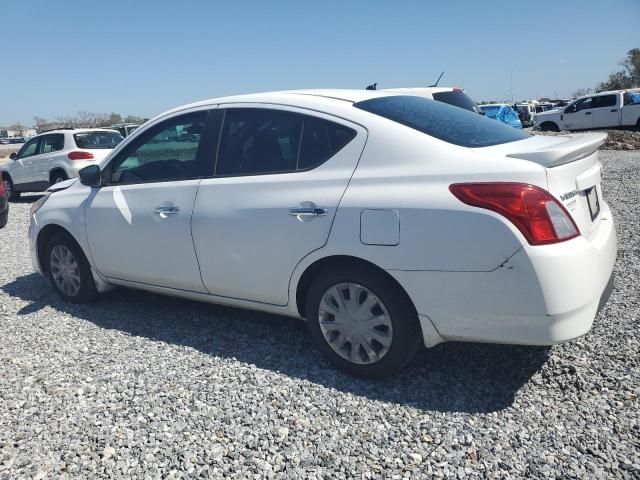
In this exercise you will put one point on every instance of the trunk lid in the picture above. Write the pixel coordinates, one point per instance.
(574, 172)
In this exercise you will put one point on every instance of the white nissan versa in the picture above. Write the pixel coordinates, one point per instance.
(385, 220)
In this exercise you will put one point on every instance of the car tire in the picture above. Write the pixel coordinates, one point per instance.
(12, 195)
(549, 127)
(57, 177)
(69, 270)
(374, 296)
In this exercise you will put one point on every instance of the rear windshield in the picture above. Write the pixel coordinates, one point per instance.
(450, 124)
(457, 99)
(95, 140)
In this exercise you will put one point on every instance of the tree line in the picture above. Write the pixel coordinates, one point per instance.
(81, 120)
(627, 77)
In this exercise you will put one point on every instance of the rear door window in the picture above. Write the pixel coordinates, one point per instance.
(258, 141)
(605, 101)
(450, 124)
(52, 143)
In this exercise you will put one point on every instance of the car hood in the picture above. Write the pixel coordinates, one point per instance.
(56, 187)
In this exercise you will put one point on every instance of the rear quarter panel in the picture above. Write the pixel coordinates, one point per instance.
(410, 172)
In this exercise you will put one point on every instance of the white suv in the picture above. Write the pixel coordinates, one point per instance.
(55, 156)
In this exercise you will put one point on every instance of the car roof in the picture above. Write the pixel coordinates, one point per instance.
(76, 130)
(495, 105)
(312, 98)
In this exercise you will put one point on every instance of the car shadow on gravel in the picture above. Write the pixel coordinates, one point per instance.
(460, 377)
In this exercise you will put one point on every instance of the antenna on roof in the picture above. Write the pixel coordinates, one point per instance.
(437, 81)
(373, 86)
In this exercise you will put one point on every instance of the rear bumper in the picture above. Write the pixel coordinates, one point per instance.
(540, 296)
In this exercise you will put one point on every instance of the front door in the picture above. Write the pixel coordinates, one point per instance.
(22, 171)
(279, 177)
(139, 224)
(579, 116)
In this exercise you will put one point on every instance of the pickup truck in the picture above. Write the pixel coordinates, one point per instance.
(619, 108)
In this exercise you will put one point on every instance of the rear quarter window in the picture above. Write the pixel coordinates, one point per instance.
(450, 124)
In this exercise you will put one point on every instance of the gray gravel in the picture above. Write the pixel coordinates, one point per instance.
(145, 386)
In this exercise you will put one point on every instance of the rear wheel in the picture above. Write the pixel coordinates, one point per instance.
(57, 177)
(363, 323)
(12, 194)
(69, 270)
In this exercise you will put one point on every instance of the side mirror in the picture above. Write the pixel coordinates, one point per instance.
(90, 176)
(13, 155)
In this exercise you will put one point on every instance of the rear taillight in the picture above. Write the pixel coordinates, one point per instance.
(458, 89)
(80, 155)
(534, 211)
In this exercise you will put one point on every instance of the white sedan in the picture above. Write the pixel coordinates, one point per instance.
(387, 221)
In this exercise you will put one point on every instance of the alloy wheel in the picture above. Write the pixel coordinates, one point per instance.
(355, 323)
(65, 270)
(7, 187)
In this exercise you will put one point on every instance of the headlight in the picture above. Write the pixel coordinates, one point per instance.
(35, 206)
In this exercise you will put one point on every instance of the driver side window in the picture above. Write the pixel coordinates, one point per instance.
(166, 152)
(584, 104)
(29, 149)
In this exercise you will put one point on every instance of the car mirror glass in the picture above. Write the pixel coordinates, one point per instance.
(90, 176)
(13, 155)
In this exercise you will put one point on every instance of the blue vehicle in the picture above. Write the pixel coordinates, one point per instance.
(503, 113)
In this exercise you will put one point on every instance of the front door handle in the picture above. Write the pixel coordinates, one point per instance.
(587, 113)
(308, 211)
(164, 212)
(613, 110)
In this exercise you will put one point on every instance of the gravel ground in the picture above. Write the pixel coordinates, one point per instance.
(145, 386)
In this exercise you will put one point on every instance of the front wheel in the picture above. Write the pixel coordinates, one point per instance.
(12, 194)
(363, 322)
(69, 270)
(549, 127)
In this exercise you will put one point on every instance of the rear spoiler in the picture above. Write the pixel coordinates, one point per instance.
(575, 147)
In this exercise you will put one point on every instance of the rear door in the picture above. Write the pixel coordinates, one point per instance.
(49, 146)
(579, 115)
(279, 177)
(607, 111)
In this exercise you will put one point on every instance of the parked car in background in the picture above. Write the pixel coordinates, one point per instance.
(452, 95)
(125, 129)
(4, 206)
(619, 108)
(525, 112)
(54, 156)
(503, 113)
(4, 141)
(387, 221)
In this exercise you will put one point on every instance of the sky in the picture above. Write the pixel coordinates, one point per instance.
(142, 57)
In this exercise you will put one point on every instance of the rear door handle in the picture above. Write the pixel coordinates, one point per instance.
(613, 110)
(587, 113)
(164, 212)
(308, 211)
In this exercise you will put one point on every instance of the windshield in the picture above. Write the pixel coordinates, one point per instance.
(97, 139)
(457, 99)
(450, 124)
